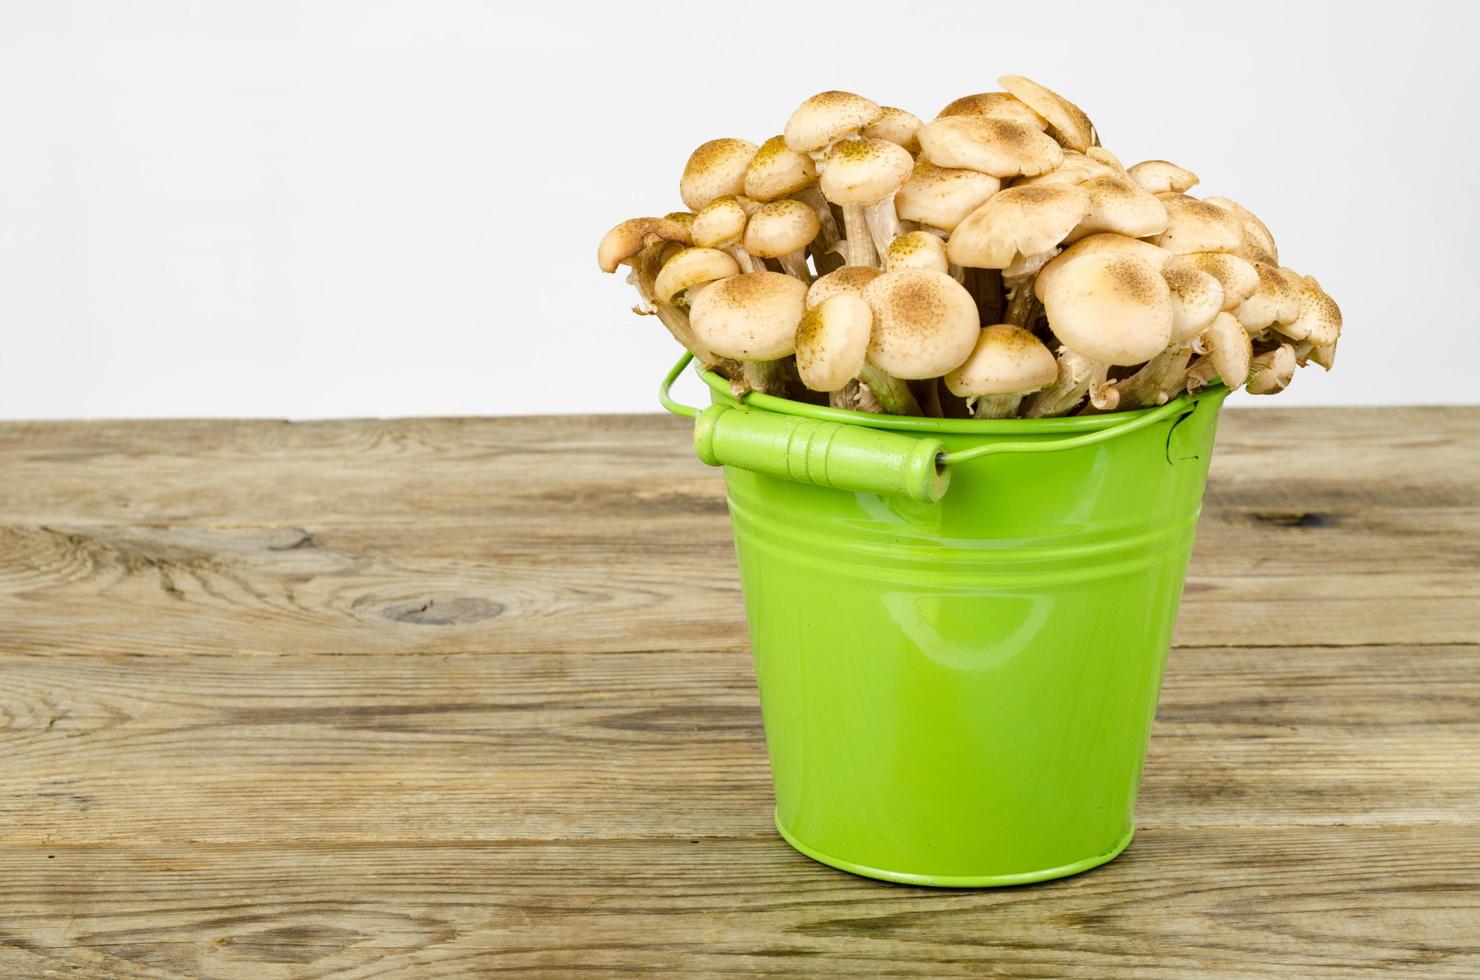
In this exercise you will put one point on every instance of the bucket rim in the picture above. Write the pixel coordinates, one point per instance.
(912, 423)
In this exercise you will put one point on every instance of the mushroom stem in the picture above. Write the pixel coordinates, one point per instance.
(1022, 305)
(883, 224)
(893, 394)
(1076, 377)
(767, 377)
(827, 233)
(1158, 379)
(795, 264)
(860, 244)
(746, 261)
(996, 406)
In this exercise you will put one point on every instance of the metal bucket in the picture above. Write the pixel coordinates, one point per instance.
(959, 626)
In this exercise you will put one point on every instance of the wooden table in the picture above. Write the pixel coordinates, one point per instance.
(452, 697)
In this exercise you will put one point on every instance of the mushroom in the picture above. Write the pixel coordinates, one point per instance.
(925, 323)
(827, 117)
(941, 197)
(1274, 300)
(1258, 244)
(1197, 226)
(1162, 177)
(1067, 123)
(1110, 308)
(862, 175)
(994, 105)
(1118, 204)
(1104, 242)
(683, 218)
(917, 249)
(715, 169)
(1226, 355)
(690, 268)
(1197, 297)
(777, 172)
(896, 126)
(782, 230)
(625, 240)
(1272, 371)
(1236, 275)
(721, 224)
(993, 146)
(832, 346)
(1104, 156)
(1018, 230)
(1318, 326)
(1075, 169)
(848, 279)
(1157, 380)
(1006, 364)
(752, 318)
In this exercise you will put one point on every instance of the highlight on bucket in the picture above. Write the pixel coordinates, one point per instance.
(964, 379)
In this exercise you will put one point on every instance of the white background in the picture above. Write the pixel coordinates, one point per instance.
(391, 208)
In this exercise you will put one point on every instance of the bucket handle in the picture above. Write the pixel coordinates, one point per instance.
(857, 458)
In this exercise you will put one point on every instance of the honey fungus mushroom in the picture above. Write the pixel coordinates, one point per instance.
(925, 323)
(716, 169)
(752, 318)
(782, 230)
(861, 176)
(1006, 364)
(832, 347)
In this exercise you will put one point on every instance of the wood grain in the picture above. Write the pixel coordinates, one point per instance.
(455, 697)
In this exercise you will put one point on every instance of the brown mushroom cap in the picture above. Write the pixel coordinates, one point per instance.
(832, 341)
(780, 228)
(691, 267)
(993, 146)
(750, 317)
(715, 169)
(1102, 242)
(1067, 123)
(925, 323)
(1275, 300)
(942, 196)
(1319, 321)
(1237, 275)
(864, 171)
(1228, 347)
(1019, 221)
(1162, 176)
(1197, 226)
(848, 279)
(1197, 298)
(1006, 360)
(994, 105)
(719, 224)
(895, 125)
(918, 250)
(1110, 308)
(1102, 155)
(777, 171)
(1258, 242)
(632, 236)
(1118, 204)
(1076, 168)
(1271, 371)
(827, 117)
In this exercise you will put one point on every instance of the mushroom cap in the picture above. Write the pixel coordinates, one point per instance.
(1197, 298)
(1110, 308)
(832, 341)
(632, 236)
(1162, 176)
(715, 169)
(827, 117)
(895, 125)
(1237, 275)
(1007, 360)
(1275, 300)
(865, 171)
(1019, 221)
(1067, 123)
(1228, 347)
(994, 105)
(993, 146)
(750, 317)
(925, 323)
(941, 196)
(1102, 155)
(1118, 204)
(691, 267)
(777, 171)
(780, 228)
(1197, 226)
(719, 224)
(917, 250)
(1075, 169)
(1271, 371)
(1102, 242)
(848, 279)
(684, 218)
(1257, 239)
(1319, 321)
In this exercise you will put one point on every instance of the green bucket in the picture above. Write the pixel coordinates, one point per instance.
(959, 626)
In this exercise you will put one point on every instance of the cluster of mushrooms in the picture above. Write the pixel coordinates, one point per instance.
(996, 262)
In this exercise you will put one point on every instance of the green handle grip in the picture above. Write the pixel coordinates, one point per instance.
(827, 454)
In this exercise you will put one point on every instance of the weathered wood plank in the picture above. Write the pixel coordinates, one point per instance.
(565, 745)
(1304, 901)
